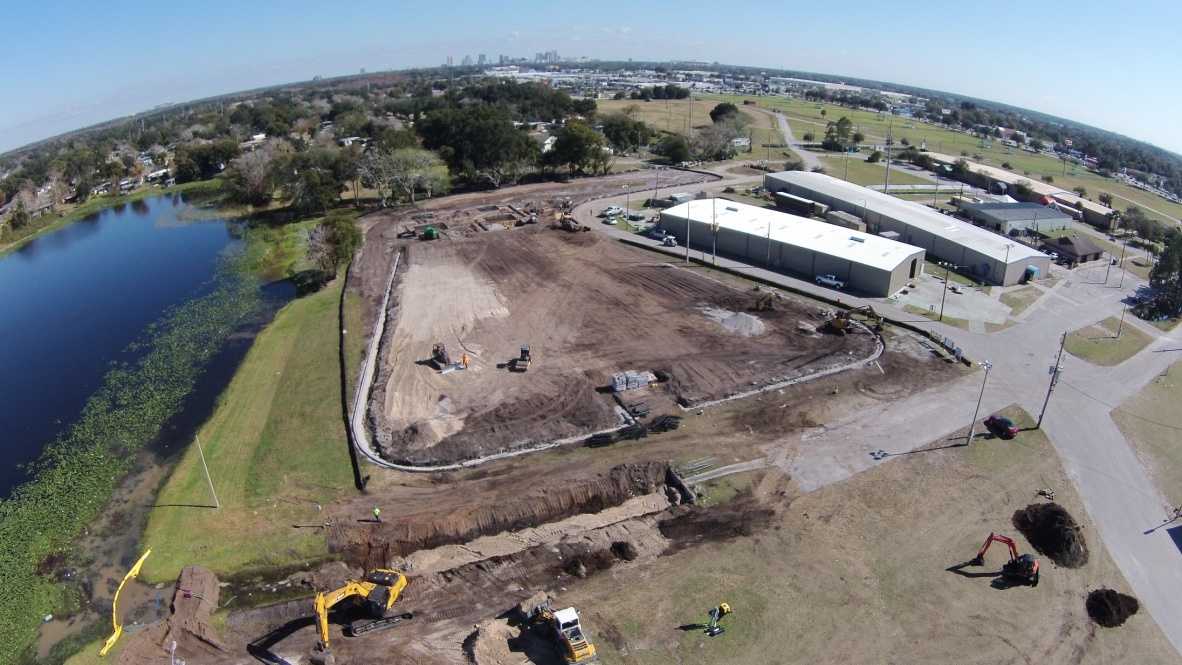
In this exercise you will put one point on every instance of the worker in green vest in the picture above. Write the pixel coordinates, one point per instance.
(377, 514)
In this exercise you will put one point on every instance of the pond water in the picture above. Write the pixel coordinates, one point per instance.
(73, 301)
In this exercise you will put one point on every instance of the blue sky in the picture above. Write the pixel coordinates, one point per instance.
(1111, 64)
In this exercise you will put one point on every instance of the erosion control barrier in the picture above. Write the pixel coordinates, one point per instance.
(943, 341)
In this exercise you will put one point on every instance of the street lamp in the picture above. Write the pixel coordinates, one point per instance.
(944, 295)
(972, 425)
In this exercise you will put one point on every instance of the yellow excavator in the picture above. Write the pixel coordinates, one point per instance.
(376, 593)
(840, 322)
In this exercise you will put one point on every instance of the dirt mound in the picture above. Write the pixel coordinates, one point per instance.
(736, 323)
(741, 516)
(369, 547)
(489, 644)
(1053, 532)
(1110, 608)
(195, 599)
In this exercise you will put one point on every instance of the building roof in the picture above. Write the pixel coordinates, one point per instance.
(914, 214)
(1075, 245)
(1016, 211)
(810, 234)
(1036, 186)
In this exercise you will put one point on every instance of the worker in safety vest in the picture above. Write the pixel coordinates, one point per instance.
(377, 514)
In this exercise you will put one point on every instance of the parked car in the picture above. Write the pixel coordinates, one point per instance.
(1001, 427)
(611, 211)
(829, 280)
(611, 220)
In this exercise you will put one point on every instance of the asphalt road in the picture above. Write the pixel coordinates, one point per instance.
(1118, 493)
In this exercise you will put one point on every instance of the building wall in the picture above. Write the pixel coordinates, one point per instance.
(792, 259)
(975, 263)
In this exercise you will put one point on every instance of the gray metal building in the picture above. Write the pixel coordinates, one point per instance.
(1005, 218)
(868, 264)
(981, 253)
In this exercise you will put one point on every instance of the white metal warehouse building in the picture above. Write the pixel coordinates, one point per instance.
(981, 253)
(868, 264)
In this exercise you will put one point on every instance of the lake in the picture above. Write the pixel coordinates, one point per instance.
(75, 299)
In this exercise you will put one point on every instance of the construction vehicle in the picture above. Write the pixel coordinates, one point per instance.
(523, 360)
(440, 355)
(840, 322)
(567, 631)
(375, 593)
(713, 629)
(567, 223)
(1020, 569)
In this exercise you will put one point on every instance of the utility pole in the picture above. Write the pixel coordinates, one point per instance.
(1054, 379)
(1122, 263)
(886, 183)
(1121, 326)
(216, 504)
(973, 425)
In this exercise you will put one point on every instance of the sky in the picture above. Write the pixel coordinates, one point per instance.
(1114, 65)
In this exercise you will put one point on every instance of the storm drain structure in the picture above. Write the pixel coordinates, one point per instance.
(867, 264)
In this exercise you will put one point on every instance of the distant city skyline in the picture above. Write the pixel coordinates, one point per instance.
(1097, 63)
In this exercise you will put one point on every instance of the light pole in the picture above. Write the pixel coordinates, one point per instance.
(947, 269)
(973, 425)
(1121, 326)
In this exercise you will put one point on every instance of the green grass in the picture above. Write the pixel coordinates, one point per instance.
(13, 239)
(1099, 345)
(935, 316)
(354, 339)
(1020, 299)
(805, 116)
(1151, 420)
(275, 447)
(935, 269)
(860, 172)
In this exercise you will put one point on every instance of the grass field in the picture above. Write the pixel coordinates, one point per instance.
(1020, 299)
(857, 573)
(1151, 420)
(1099, 345)
(276, 451)
(860, 172)
(804, 116)
(674, 116)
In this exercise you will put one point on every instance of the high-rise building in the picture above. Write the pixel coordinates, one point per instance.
(482, 59)
(467, 62)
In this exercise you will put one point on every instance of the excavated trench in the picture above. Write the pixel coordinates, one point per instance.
(401, 535)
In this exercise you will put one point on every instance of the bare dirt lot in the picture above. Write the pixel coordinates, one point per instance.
(587, 307)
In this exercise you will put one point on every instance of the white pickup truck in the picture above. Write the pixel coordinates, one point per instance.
(829, 280)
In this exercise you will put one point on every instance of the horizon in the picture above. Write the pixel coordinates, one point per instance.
(240, 61)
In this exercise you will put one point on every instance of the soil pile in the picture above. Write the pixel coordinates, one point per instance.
(736, 323)
(195, 599)
(742, 516)
(1053, 532)
(489, 644)
(1110, 608)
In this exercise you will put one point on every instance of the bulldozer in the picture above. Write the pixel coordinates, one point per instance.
(1020, 569)
(840, 323)
(375, 593)
(566, 222)
(567, 631)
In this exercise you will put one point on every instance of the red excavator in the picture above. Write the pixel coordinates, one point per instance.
(1020, 569)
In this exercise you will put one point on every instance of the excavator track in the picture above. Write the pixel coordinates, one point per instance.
(362, 627)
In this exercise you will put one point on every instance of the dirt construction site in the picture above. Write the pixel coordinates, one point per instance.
(643, 528)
